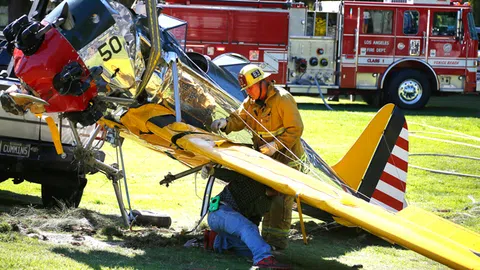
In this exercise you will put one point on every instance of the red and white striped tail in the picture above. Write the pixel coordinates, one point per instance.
(390, 190)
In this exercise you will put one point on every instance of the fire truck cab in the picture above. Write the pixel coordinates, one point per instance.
(400, 51)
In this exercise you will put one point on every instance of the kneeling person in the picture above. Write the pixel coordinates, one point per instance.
(242, 203)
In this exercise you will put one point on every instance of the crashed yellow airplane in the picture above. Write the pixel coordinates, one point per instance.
(124, 72)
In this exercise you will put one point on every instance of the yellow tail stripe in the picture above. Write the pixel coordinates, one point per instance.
(352, 167)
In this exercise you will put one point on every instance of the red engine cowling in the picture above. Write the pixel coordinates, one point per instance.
(39, 69)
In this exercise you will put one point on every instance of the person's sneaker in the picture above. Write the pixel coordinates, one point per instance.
(208, 239)
(271, 263)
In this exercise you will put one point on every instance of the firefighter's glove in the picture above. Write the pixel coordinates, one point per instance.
(207, 170)
(218, 124)
(269, 148)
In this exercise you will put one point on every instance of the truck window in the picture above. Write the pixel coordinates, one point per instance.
(321, 24)
(332, 24)
(3, 14)
(310, 23)
(377, 21)
(444, 23)
(471, 27)
(410, 22)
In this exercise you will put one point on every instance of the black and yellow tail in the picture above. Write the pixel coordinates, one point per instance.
(376, 166)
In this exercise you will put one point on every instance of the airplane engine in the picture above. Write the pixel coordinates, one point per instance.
(74, 52)
(88, 59)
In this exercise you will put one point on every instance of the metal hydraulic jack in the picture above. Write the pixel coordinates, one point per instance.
(116, 172)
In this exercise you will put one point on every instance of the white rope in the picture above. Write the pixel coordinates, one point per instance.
(444, 155)
(445, 172)
(446, 134)
(447, 130)
(276, 139)
(446, 141)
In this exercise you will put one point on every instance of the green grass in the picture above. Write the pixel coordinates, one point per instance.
(331, 133)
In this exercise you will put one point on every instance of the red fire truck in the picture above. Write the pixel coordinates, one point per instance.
(400, 52)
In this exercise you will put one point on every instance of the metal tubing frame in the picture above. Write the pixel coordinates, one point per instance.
(169, 178)
(92, 137)
(124, 177)
(178, 111)
(120, 101)
(75, 133)
(118, 194)
(111, 172)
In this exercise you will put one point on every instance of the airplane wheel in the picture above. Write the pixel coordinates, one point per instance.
(149, 218)
(409, 89)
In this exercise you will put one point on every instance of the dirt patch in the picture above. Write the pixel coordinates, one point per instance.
(74, 239)
(151, 238)
(470, 213)
(60, 226)
(81, 227)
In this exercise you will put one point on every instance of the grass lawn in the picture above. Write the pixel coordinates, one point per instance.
(449, 125)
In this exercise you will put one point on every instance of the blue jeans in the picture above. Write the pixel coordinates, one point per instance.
(238, 233)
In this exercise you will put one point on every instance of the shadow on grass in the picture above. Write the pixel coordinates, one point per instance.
(10, 199)
(454, 106)
(156, 251)
(152, 258)
(192, 258)
(329, 245)
(163, 249)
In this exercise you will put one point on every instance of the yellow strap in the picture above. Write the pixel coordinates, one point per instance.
(302, 225)
(57, 142)
(271, 133)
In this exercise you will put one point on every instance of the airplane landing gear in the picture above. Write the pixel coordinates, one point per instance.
(115, 173)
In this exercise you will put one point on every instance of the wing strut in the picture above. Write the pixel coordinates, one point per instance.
(302, 225)
(155, 50)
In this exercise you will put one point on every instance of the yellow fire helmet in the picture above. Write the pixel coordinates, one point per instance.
(250, 75)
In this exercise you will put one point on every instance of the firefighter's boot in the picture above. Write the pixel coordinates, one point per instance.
(208, 239)
(276, 223)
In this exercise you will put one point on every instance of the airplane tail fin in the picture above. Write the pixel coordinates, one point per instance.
(376, 166)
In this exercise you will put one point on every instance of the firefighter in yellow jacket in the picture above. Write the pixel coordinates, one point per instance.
(272, 114)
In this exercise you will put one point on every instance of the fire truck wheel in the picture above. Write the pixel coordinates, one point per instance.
(409, 89)
(372, 99)
(55, 196)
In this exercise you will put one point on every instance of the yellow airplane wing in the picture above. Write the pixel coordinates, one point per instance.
(412, 228)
